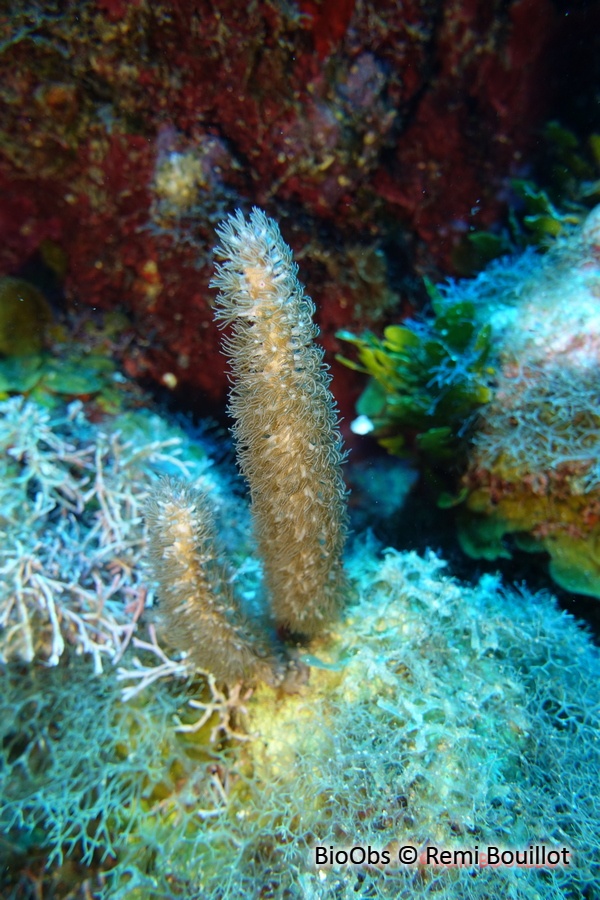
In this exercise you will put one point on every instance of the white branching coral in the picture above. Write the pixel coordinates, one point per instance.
(71, 532)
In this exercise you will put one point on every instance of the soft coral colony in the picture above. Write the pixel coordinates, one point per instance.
(415, 712)
(288, 448)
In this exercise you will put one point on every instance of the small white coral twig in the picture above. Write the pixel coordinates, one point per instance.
(143, 675)
(225, 703)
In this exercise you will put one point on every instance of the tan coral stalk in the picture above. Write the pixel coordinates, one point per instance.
(289, 446)
(197, 602)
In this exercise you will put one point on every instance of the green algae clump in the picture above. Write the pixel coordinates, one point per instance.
(24, 318)
(428, 378)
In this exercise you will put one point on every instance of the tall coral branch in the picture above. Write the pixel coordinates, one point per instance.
(289, 446)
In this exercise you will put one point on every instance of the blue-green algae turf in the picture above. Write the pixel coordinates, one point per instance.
(435, 714)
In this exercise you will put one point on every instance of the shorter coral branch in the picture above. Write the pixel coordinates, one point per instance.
(198, 604)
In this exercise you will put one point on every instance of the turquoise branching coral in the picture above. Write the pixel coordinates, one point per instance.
(500, 391)
(436, 715)
(534, 466)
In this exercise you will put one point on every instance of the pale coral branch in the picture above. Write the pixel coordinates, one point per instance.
(224, 703)
(146, 675)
